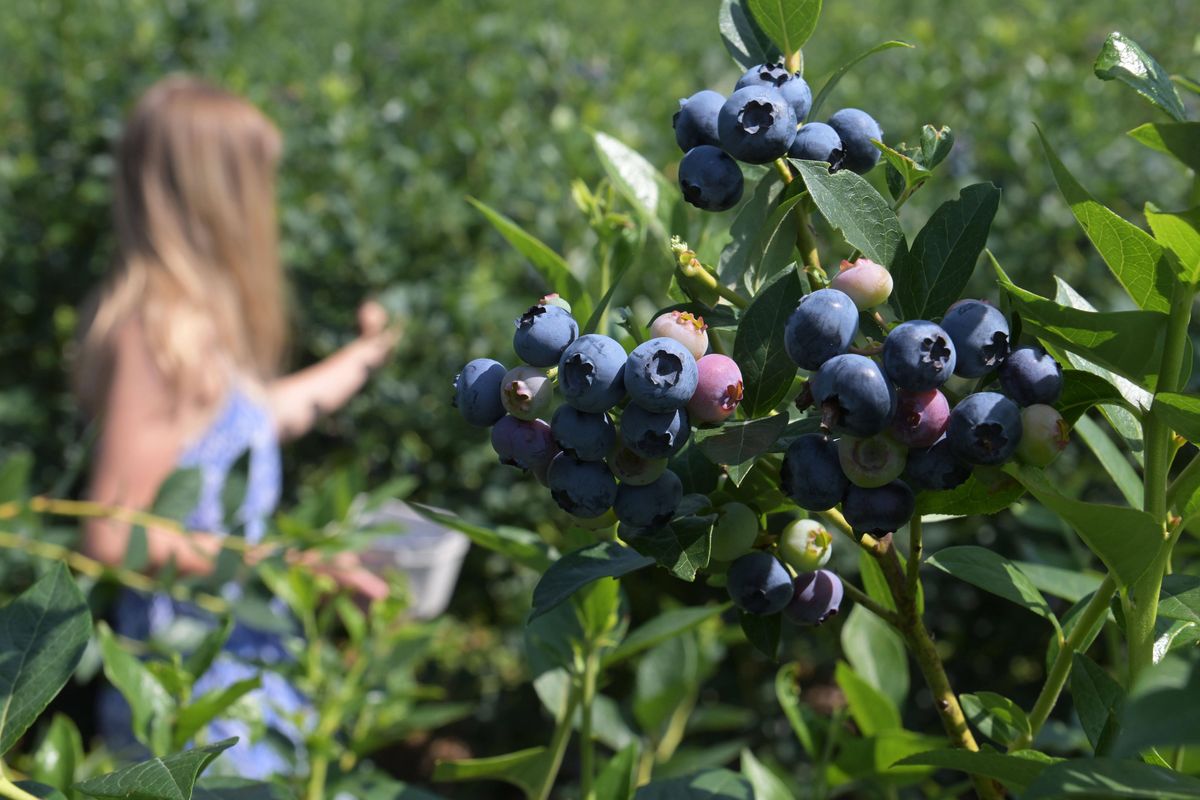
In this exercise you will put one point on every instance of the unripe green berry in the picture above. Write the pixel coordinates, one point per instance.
(805, 545)
(1044, 435)
(871, 462)
(735, 531)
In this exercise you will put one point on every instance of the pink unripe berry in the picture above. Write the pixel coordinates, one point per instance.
(920, 418)
(553, 299)
(718, 391)
(868, 284)
(525, 392)
(684, 327)
(1044, 434)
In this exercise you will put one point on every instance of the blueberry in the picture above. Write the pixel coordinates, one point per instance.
(935, 468)
(759, 584)
(591, 373)
(985, 428)
(718, 390)
(651, 434)
(477, 392)
(868, 284)
(587, 436)
(854, 396)
(811, 474)
(873, 461)
(543, 332)
(696, 120)
(799, 97)
(581, 488)
(651, 505)
(684, 327)
(1044, 435)
(770, 75)
(661, 375)
(822, 326)
(710, 179)
(856, 129)
(816, 596)
(735, 531)
(757, 125)
(920, 418)
(526, 444)
(918, 356)
(1031, 376)
(805, 545)
(816, 141)
(631, 468)
(980, 335)
(526, 392)
(884, 509)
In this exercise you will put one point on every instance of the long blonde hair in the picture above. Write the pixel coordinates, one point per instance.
(198, 264)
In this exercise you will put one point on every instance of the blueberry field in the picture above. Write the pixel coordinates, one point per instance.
(790, 399)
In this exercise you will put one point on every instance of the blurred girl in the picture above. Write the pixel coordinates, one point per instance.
(181, 362)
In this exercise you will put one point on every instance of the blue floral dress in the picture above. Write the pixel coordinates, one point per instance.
(242, 426)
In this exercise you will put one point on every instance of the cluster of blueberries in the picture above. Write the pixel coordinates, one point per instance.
(764, 119)
(598, 470)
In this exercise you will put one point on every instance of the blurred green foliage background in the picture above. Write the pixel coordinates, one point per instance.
(394, 112)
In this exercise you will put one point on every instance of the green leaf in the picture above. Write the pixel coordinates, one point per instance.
(169, 778)
(976, 496)
(1127, 342)
(1132, 255)
(789, 23)
(149, 700)
(749, 232)
(766, 784)
(1123, 59)
(579, 568)
(787, 693)
(638, 181)
(179, 494)
(1179, 232)
(993, 573)
(681, 547)
(876, 651)
(943, 256)
(742, 37)
(44, 631)
(758, 349)
(1182, 413)
(739, 442)
(41, 790)
(763, 632)
(1082, 390)
(1095, 778)
(873, 759)
(220, 788)
(1097, 697)
(59, 754)
(1069, 584)
(996, 717)
(1112, 458)
(841, 71)
(664, 679)
(1178, 139)
(852, 205)
(208, 706)
(1016, 771)
(1180, 598)
(711, 784)
(525, 769)
(524, 547)
(618, 778)
(665, 626)
(1125, 539)
(936, 144)
(909, 175)
(775, 247)
(199, 660)
(1151, 717)
(872, 711)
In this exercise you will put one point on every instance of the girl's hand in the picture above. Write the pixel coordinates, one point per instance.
(346, 569)
(377, 336)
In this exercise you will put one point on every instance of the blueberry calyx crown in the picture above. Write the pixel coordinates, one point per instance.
(755, 116)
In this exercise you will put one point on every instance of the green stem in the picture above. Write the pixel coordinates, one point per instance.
(1141, 605)
(1092, 613)
(694, 269)
(605, 280)
(11, 790)
(864, 600)
(558, 745)
(587, 747)
(916, 548)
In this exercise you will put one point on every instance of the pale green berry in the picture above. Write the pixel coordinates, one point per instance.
(805, 545)
(735, 532)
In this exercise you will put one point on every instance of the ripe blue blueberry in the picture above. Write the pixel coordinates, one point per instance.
(587, 436)
(696, 120)
(591, 373)
(581, 488)
(759, 584)
(856, 129)
(854, 396)
(799, 96)
(661, 375)
(1031, 376)
(525, 444)
(816, 141)
(884, 509)
(816, 596)
(543, 332)
(770, 75)
(709, 179)
(980, 335)
(985, 428)
(651, 505)
(822, 326)
(918, 356)
(477, 392)
(811, 474)
(757, 125)
(935, 468)
(651, 434)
